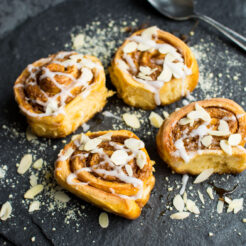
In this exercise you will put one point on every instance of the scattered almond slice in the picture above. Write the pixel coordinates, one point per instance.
(61, 196)
(165, 114)
(225, 147)
(92, 144)
(130, 47)
(220, 207)
(155, 120)
(35, 205)
(235, 205)
(129, 170)
(191, 206)
(179, 215)
(166, 48)
(227, 200)
(131, 120)
(224, 127)
(134, 144)
(33, 180)
(210, 193)
(201, 197)
(204, 175)
(141, 159)
(185, 197)
(5, 211)
(32, 192)
(29, 135)
(119, 157)
(25, 164)
(205, 115)
(234, 139)
(207, 140)
(103, 220)
(178, 203)
(38, 163)
(244, 220)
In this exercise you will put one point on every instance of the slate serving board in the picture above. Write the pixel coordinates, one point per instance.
(37, 38)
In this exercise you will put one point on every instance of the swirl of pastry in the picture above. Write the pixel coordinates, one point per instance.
(152, 68)
(203, 135)
(110, 169)
(59, 93)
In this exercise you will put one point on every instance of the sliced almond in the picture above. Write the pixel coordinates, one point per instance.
(207, 140)
(185, 121)
(201, 197)
(225, 147)
(5, 211)
(35, 205)
(234, 139)
(179, 215)
(33, 180)
(122, 65)
(67, 154)
(178, 203)
(130, 47)
(129, 170)
(141, 159)
(134, 144)
(210, 193)
(61, 196)
(143, 47)
(92, 144)
(155, 120)
(205, 114)
(38, 163)
(224, 127)
(103, 220)
(149, 32)
(106, 137)
(185, 197)
(145, 70)
(235, 205)
(84, 138)
(165, 114)
(29, 135)
(144, 77)
(119, 157)
(227, 200)
(25, 164)
(165, 75)
(220, 207)
(87, 74)
(131, 120)
(204, 175)
(166, 48)
(35, 190)
(191, 206)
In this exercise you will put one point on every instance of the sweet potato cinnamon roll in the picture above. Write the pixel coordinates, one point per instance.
(59, 93)
(110, 169)
(205, 134)
(152, 68)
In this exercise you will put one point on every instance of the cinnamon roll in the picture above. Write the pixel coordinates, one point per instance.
(59, 93)
(203, 135)
(110, 169)
(152, 68)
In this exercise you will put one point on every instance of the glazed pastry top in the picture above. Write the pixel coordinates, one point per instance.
(49, 84)
(152, 59)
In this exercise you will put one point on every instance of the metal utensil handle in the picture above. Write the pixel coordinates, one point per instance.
(232, 35)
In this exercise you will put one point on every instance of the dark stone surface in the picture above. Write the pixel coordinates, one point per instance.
(37, 38)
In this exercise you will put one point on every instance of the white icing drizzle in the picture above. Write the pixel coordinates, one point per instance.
(185, 179)
(116, 170)
(55, 104)
(178, 69)
(201, 131)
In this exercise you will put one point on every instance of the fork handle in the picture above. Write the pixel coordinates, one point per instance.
(229, 33)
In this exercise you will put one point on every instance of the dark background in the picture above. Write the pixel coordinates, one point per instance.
(27, 32)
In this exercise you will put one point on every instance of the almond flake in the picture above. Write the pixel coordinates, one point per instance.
(92, 144)
(33, 180)
(178, 203)
(191, 206)
(141, 159)
(61, 196)
(165, 114)
(185, 121)
(131, 120)
(67, 154)
(106, 137)
(185, 197)
(129, 170)
(38, 163)
(166, 48)
(34, 206)
(35, 190)
(122, 65)
(119, 157)
(227, 200)
(145, 70)
(225, 147)
(235, 205)
(179, 215)
(207, 140)
(130, 47)
(103, 220)
(204, 175)
(220, 207)
(25, 164)
(149, 32)
(134, 144)
(224, 127)
(143, 47)
(210, 193)
(5, 211)
(155, 120)
(29, 135)
(165, 75)
(201, 197)
(234, 139)
(244, 220)
(206, 116)
(143, 76)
